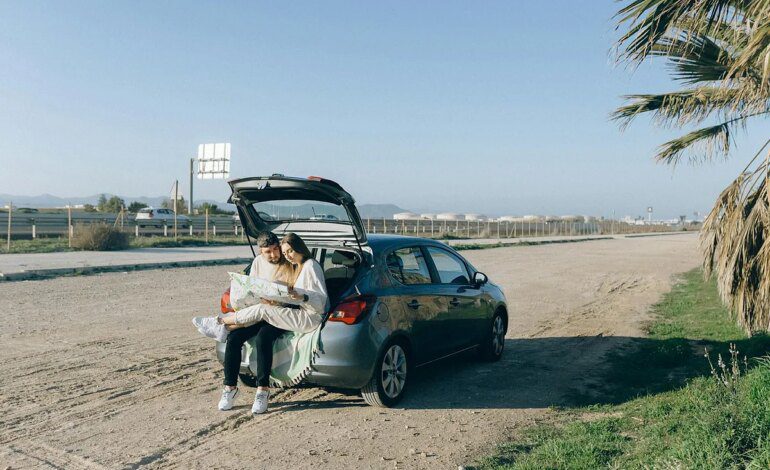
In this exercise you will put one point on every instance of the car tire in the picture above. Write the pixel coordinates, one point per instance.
(491, 348)
(390, 377)
(248, 380)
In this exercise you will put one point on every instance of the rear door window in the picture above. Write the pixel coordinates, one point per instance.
(451, 270)
(408, 266)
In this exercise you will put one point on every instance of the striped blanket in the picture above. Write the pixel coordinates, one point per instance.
(293, 357)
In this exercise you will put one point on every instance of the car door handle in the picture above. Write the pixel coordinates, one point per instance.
(414, 304)
(454, 302)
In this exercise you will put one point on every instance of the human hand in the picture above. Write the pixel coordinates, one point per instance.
(295, 295)
(227, 320)
(233, 327)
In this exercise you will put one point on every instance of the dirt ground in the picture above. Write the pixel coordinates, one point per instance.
(107, 371)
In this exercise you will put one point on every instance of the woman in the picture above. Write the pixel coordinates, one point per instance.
(306, 285)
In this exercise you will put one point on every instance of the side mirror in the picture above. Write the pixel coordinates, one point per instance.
(479, 279)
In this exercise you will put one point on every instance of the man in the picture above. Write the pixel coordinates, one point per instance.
(269, 259)
(269, 264)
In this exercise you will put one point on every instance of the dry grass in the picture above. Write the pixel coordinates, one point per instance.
(98, 237)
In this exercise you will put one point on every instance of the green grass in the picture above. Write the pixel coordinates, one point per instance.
(50, 245)
(665, 410)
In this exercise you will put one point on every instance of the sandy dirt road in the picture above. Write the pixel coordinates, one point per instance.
(107, 372)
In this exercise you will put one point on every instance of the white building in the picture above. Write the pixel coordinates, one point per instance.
(476, 217)
(405, 216)
(450, 216)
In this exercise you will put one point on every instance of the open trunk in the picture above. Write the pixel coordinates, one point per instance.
(316, 209)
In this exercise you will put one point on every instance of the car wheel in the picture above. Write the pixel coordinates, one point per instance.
(388, 382)
(248, 380)
(491, 349)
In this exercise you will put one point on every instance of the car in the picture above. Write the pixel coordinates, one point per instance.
(324, 217)
(149, 216)
(399, 302)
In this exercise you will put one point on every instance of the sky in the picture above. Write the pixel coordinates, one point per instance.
(498, 108)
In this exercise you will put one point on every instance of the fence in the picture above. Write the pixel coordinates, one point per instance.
(43, 224)
(503, 229)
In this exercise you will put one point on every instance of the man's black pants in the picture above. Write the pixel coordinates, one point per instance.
(266, 335)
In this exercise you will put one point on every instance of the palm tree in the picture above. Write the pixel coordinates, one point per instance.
(719, 50)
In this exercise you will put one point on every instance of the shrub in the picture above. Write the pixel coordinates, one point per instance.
(98, 237)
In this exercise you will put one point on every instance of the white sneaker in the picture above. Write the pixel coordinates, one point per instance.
(228, 396)
(209, 326)
(260, 402)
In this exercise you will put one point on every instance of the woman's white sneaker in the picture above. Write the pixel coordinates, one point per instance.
(260, 402)
(228, 396)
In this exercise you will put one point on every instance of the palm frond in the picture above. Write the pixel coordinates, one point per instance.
(735, 240)
(695, 58)
(651, 20)
(704, 144)
(685, 107)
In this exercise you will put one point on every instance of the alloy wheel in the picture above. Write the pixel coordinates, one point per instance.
(498, 335)
(393, 371)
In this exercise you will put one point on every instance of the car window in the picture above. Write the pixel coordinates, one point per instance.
(451, 270)
(408, 266)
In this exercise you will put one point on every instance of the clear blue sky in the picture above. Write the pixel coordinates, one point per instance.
(491, 107)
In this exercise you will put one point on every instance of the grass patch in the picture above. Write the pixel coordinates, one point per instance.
(38, 245)
(666, 410)
(169, 242)
(51, 245)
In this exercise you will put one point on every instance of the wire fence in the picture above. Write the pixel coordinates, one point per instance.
(25, 225)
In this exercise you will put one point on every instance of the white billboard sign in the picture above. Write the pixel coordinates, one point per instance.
(213, 161)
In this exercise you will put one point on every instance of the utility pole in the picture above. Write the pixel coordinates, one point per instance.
(190, 204)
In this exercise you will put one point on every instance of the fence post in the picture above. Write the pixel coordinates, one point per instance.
(165, 229)
(136, 231)
(191, 229)
(69, 225)
(214, 229)
(34, 229)
(10, 211)
(207, 225)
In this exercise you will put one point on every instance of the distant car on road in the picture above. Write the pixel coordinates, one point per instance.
(324, 217)
(152, 217)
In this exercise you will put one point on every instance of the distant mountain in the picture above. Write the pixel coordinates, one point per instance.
(49, 200)
(367, 211)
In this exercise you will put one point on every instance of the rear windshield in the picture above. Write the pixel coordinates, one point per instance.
(144, 211)
(301, 210)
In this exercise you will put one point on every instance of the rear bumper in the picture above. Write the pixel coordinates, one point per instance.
(346, 359)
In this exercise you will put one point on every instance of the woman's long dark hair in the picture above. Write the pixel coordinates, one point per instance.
(298, 245)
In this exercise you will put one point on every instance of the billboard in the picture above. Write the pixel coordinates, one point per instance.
(213, 161)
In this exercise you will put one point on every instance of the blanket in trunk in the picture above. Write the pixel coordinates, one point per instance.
(293, 357)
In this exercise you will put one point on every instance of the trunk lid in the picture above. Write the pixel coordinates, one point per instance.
(316, 209)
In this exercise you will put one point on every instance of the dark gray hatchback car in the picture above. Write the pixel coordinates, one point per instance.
(398, 302)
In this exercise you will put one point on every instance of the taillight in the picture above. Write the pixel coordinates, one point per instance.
(150, 216)
(351, 311)
(224, 303)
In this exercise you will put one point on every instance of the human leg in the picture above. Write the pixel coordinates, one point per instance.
(264, 344)
(233, 347)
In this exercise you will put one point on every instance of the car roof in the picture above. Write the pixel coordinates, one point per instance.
(380, 242)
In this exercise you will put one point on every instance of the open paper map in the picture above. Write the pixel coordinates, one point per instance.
(246, 291)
